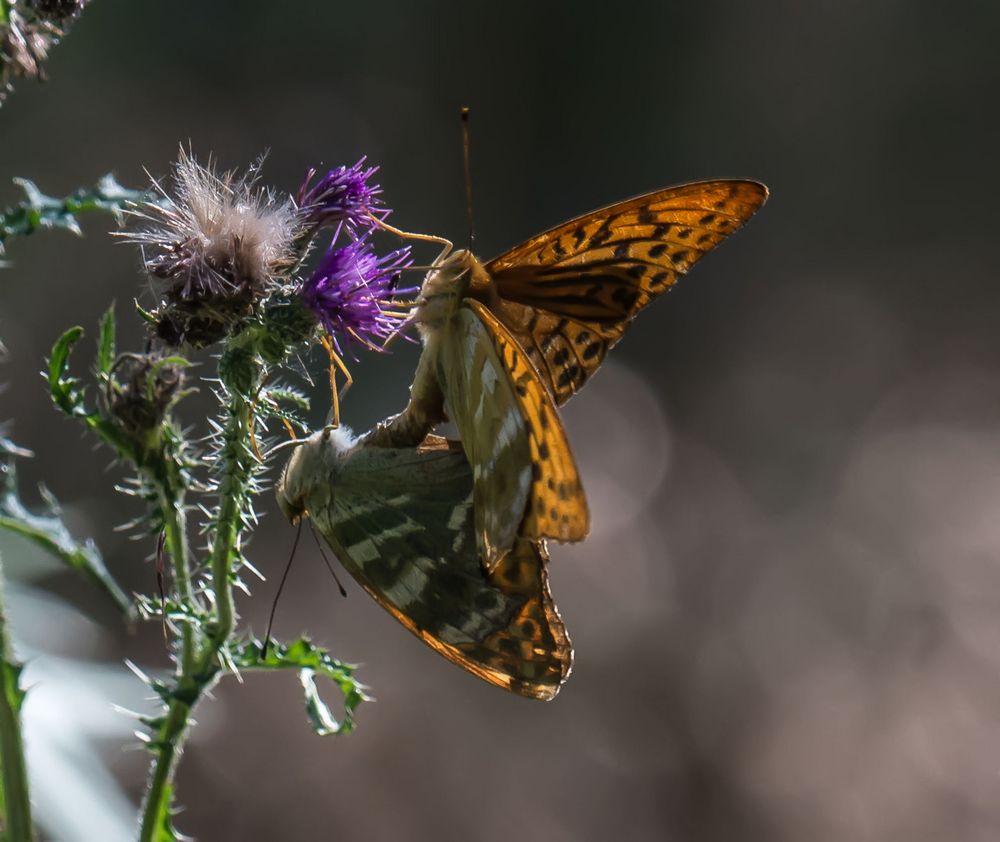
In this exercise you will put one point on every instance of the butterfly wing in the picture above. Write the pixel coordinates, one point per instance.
(400, 521)
(525, 478)
(571, 291)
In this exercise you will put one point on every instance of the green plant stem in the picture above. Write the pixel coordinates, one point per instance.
(188, 690)
(232, 496)
(198, 675)
(175, 530)
(16, 804)
(169, 743)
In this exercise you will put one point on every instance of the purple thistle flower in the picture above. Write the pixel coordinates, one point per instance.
(341, 197)
(351, 288)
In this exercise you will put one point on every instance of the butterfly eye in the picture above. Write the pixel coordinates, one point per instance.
(292, 509)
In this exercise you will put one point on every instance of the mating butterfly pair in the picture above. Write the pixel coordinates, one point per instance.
(451, 541)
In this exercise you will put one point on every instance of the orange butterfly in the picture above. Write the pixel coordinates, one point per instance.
(506, 342)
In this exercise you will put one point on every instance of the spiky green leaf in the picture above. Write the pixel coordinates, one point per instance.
(311, 661)
(49, 532)
(65, 390)
(39, 211)
(106, 343)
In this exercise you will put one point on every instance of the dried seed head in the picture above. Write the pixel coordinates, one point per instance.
(57, 10)
(219, 243)
(140, 390)
(24, 47)
(30, 30)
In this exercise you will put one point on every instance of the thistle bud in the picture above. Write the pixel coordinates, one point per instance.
(140, 390)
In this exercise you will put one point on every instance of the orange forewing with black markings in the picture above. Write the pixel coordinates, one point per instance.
(400, 521)
(570, 293)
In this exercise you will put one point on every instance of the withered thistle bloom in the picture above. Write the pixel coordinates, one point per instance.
(351, 291)
(219, 243)
(24, 47)
(140, 390)
(57, 10)
(29, 32)
(341, 197)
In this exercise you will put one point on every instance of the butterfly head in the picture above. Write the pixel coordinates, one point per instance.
(445, 286)
(311, 472)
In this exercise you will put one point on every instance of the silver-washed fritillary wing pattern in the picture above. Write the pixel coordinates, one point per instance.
(400, 521)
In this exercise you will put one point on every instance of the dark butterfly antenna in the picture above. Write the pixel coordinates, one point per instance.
(277, 596)
(329, 566)
(161, 544)
(468, 173)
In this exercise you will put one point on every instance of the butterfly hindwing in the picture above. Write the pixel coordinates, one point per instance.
(526, 479)
(564, 351)
(400, 521)
(571, 291)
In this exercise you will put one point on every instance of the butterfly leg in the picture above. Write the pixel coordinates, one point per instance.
(262, 395)
(348, 380)
(334, 394)
(284, 421)
(336, 362)
(253, 425)
(447, 245)
(400, 330)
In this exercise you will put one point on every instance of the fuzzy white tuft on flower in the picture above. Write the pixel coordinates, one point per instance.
(216, 233)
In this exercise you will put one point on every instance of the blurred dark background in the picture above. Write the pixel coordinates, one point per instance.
(787, 619)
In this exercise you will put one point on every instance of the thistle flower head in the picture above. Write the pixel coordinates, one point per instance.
(351, 289)
(341, 197)
(219, 243)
